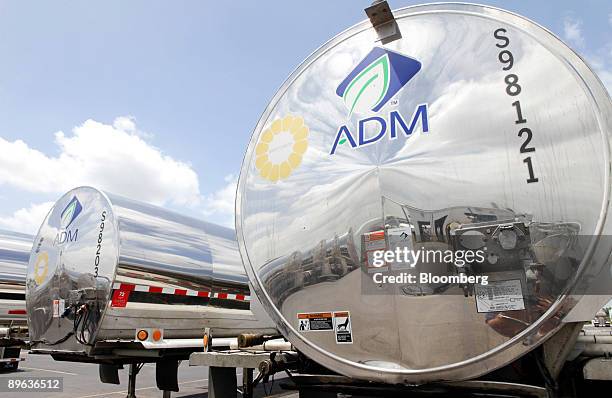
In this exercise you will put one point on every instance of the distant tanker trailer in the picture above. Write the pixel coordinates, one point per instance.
(110, 278)
(14, 254)
(471, 129)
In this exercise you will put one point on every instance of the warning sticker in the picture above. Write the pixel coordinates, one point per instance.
(500, 296)
(120, 298)
(343, 328)
(374, 242)
(59, 306)
(315, 321)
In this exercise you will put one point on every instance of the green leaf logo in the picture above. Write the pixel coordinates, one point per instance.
(369, 87)
(70, 212)
(67, 215)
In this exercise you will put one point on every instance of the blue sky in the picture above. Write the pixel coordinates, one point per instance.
(179, 85)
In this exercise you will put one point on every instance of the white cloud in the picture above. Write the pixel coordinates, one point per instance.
(125, 123)
(113, 157)
(128, 124)
(221, 203)
(572, 29)
(26, 220)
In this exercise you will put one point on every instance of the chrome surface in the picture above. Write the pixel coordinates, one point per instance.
(597, 369)
(303, 214)
(15, 250)
(228, 359)
(90, 243)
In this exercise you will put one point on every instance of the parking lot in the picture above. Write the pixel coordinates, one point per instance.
(81, 380)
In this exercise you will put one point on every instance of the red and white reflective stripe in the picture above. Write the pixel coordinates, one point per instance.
(128, 287)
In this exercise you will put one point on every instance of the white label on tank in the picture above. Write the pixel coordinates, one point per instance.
(58, 308)
(315, 321)
(499, 296)
(342, 327)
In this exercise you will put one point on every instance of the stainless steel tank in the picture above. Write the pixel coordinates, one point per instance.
(477, 130)
(14, 254)
(103, 267)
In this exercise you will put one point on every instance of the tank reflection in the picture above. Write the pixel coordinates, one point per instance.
(329, 260)
(539, 256)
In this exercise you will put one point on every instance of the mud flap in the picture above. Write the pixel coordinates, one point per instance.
(109, 373)
(166, 375)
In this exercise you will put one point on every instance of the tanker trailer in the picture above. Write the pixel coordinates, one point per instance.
(14, 253)
(437, 131)
(114, 281)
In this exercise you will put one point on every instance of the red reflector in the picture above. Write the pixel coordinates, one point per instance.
(222, 295)
(127, 287)
(156, 335)
(17, 312)
(180, 292)
(240, 297)
(203, 294)
(155, 289)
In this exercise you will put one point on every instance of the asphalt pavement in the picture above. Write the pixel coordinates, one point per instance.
(81, 380)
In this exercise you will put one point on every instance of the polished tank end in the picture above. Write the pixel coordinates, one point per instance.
(71, 270)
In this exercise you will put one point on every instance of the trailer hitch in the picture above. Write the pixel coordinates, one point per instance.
(278, 362)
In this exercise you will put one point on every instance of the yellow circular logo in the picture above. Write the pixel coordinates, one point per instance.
(42, 257)
(281, 147)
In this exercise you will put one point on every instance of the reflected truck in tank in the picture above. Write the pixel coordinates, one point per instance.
(327, 261)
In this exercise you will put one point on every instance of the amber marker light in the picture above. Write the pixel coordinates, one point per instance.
(142, 335)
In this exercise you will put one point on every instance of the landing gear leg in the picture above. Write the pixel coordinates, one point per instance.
(134, 369)
(247, 383)
(222, 382)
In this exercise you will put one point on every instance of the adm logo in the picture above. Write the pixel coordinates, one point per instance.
(369, 86)
(67, 217)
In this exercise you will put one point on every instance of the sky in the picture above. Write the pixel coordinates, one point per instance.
(157, 100)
